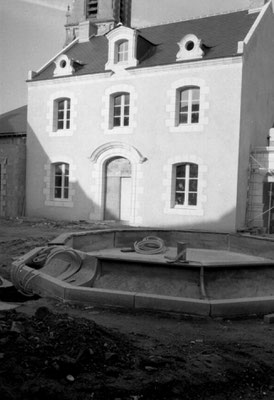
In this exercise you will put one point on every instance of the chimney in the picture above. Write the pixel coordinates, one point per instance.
(86, 30)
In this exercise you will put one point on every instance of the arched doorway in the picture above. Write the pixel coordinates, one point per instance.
(117, 189)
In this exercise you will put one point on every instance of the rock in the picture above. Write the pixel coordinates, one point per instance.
(150, 369)
(4, 340)
(42, 312)
(21, 340)
(70, 378)
(111, 357)
(17, 327)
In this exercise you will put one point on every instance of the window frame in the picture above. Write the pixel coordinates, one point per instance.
(185, 180)
(64, 123)
(121, 51)
(64, 178)
(189, 103)
(119, 111)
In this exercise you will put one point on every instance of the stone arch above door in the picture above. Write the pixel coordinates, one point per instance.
(117, 148)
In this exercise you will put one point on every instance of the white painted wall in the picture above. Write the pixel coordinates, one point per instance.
(214, 145)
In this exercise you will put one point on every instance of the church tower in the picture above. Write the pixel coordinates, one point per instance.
(87, 17)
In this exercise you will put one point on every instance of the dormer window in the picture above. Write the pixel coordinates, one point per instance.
(190, 48)
(122, 43)
(122, 51)
(63, 66)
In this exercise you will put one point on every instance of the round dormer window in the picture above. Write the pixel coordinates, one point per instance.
(190, 48)
(63, 63)
(64, 66)
(189, 45)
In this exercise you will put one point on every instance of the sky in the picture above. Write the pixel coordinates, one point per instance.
(32, 32)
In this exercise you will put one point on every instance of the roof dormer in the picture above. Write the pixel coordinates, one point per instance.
(122, 44)
(63, 66)
(190, 48)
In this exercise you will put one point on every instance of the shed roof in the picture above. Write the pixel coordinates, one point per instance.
(14, 122)
(220, 35)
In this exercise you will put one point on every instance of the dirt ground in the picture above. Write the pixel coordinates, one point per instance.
(52, 350)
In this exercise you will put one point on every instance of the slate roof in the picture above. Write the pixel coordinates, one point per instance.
(14, 122)
(219, 34)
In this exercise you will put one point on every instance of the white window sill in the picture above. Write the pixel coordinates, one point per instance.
(61, 133)
(59, 203)
(186, 128)
(120, 130)
(177, 210)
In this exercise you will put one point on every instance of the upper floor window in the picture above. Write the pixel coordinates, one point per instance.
(120, 105)
(188, 105)
(186, 185)
(122, 51)
(61, 181)
(92, 8)
(63, 114)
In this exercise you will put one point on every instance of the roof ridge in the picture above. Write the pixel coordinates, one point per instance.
(192, 18)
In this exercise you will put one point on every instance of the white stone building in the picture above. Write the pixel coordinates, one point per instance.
(154, 126)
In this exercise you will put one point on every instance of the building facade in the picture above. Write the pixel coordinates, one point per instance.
(13, 129)
(152, 126)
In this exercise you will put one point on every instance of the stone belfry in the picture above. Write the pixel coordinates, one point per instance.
(87, 17)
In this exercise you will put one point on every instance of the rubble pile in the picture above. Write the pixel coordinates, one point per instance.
(57, 355)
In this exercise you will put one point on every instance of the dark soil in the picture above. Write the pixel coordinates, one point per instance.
(51, 350)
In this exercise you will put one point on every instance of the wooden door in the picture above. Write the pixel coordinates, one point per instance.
(117, 205)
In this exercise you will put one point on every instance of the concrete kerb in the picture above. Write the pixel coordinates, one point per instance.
(100, 297)
(172, 304)
(242, 307)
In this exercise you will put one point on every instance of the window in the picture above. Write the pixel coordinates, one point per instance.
(188, 105)
(92, 8)
(63, 114)
(61, 181)
(121, 110)
(186, 185)
(122, 51)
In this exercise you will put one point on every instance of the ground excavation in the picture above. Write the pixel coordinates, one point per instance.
(50, 349)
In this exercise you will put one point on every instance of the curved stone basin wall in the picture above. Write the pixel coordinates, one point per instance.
(208, 290)
(97, 240)
(227, 282)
